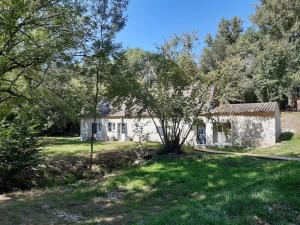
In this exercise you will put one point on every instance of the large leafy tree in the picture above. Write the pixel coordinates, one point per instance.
(60, 101)
(168, 87)
(277, 58)
(33, 35)
(106, 19)
(37, 38)
(223, 61)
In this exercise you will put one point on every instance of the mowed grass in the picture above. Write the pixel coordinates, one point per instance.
(180, 190)
(72, 146)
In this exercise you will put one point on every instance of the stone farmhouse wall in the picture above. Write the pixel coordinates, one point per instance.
(243, 130)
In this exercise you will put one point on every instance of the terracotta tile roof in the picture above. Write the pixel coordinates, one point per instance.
(248, 108)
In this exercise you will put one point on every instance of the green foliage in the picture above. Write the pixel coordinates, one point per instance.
(231, 80)
(272, 73)
(166, 85)
(106, 19)
(32, 35)
(265, 60)
(223, 62)
(217, 48)
(277, 65)
(19, 152)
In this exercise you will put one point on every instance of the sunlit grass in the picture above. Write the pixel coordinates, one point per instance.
(72, 146)
(186, 190)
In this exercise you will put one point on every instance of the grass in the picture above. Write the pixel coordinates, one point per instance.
(178, 190)
(190, 189)
(286, 147)
(72, 146)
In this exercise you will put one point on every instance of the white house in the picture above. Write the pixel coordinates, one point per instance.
(251, 124)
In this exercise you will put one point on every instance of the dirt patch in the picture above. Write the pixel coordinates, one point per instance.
(113, 160)
(4, 198)
(259, 221)
(62, 214)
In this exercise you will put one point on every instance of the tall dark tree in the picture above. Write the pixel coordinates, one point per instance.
(217, 48)
(222, 63)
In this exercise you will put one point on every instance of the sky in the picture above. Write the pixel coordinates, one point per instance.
(151, 22)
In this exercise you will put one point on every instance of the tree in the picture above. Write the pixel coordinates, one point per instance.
(231, 80)
(168, 87)
(107, 19)
(225, 62)
(34, 34)
(272, 73)
(277, 58)
(19, 147)
(217, 48)
(60, 101)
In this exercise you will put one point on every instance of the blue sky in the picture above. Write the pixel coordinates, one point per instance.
(151, 22)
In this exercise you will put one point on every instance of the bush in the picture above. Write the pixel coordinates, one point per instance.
(19, 153)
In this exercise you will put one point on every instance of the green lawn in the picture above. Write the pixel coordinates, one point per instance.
(72, 146)
(190, 189)
(186, 189)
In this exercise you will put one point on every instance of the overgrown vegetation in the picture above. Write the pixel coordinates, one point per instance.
(19, 153)
(66, 159)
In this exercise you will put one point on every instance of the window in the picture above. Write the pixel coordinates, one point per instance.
(223, 127)
(221, 132)
(96, 128)
(109, 126)
(160, 131)
(123, 128)
(298, 92)
(219, 127)
(99, 128)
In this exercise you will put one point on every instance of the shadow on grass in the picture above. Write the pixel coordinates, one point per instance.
(286, 136)
(192, 189)
(230, 148)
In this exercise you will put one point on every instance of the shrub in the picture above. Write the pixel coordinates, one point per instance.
(19, 153)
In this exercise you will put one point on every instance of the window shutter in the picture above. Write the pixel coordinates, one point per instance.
(94, 128)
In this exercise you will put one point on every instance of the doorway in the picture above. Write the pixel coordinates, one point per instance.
(201, 136)
(122, 131)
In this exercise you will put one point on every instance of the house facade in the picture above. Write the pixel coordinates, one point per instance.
(253, 124)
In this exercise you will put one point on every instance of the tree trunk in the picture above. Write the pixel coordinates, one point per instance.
(92, 147)
(173, 146)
